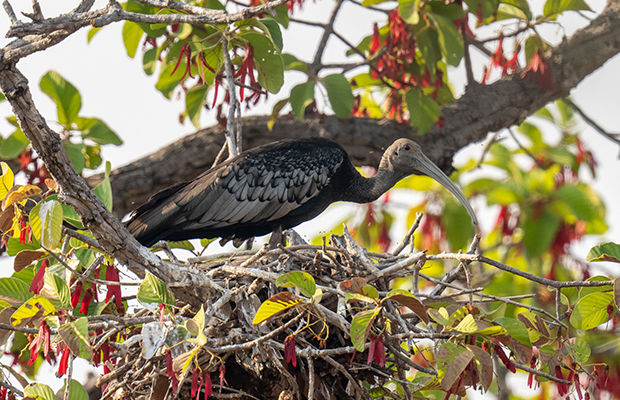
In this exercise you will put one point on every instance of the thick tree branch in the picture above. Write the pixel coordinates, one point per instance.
(482, 109)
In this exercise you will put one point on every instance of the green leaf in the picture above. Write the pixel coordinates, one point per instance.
(14, 291)
(301, 96)
(450, 42)
(267, 61)
(280, 14)
(520, 4)
(339, 94)
(132, 35)
(149, 61)
(423, 111)
(586, 290)
(409, 11)
(538, 233)
(360, 326)
(275, 112)
(91, 33)
(13, 146)
(194, 101)
(76, 153)
(604, 252)
(72, 217)
(46, 223)
(591, 310)
(292, 63)
(579, 350)
(76, 391)
(104, 189)
(554, 7)
(460, 229)
(39, 391)
(64, 94)
(274, 31)
(100, 133)
(516, 329)
(75, 336)
(59, 289)
(301, 280)
(168, 80)
(154, 290)
(133, 6)
(578, 201)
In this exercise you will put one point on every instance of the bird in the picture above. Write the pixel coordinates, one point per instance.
(275, 186)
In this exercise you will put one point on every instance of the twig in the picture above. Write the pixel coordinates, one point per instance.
(407, 360)
(310, 377)
(232, 93)
(69, 374)
(86, 278)
(540, 373)
(466, 56)
(486, 148)
(266, 247)
(12, 388)
(9, 11)
(81, 237)
(526, 151)
(614, 137)
(220, 155)
(328, 30)
(409, 234)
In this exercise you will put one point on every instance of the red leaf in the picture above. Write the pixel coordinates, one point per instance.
(208, 386)
(77, 292)
(38, 281)
(289, 350)
(88, 296)
(64, 361)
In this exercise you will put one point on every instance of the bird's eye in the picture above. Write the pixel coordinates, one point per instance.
(407, 147)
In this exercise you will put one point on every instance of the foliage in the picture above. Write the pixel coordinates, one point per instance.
(338, 298)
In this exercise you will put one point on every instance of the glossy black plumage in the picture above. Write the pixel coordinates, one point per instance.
(281, 184)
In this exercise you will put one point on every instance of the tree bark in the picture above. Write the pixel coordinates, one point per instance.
(482, 109)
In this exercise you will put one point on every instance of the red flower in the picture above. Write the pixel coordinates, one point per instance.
(502, 356)
(208, 386)
(195, 382)
(88, 296)
(171, 373)
(77, 292)
(64, 360)
(376, 350)
(35, 345)
(539, 69)
(162, 310)
(376, 40)
(562, 389)
(222, 378)
(111, 274)
(289, 350)
(39, 278)
(186, 52)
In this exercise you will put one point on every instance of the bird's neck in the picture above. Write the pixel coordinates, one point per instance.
(365, 190)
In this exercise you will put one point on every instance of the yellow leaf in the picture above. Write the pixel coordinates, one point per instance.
(37, 306)
(6, 179)
(18, 193)
(274, 305)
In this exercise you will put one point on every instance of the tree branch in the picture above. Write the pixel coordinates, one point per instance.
(482, 109)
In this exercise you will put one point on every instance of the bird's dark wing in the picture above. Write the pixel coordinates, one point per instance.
(254, 189)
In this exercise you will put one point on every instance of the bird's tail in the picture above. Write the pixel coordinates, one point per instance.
(153, 220)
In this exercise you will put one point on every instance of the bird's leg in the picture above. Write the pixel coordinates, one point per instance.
(277, 238)
(249, 243)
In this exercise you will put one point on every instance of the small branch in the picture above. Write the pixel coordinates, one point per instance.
(540, 373)
(409, 234)
(614, 137)
(69, 374)
(232, 94)
(407, 360)
(9, 11)
(12, 388)
(466, 56)
(81, 237)
(328, 30)
(526, 151)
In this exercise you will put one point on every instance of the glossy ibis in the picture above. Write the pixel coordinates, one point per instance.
(278, 185)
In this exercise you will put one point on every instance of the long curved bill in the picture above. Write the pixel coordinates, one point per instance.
(427, 167)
